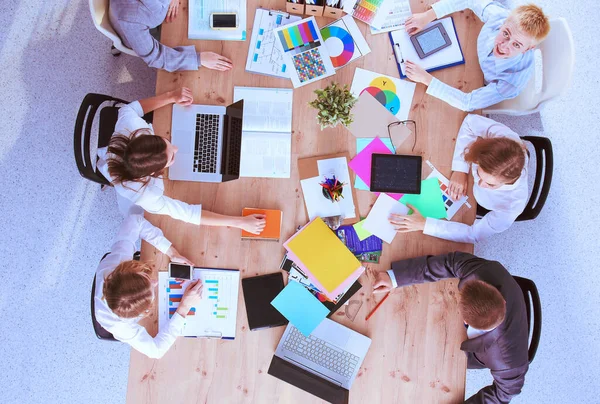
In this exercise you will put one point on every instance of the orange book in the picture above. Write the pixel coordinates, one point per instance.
(272, 230)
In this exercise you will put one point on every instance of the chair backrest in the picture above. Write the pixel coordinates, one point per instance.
(558, 59)
(101, 333)
(83, 132)
(541, 184)
(543, 177)
(99, 12)
(532, 303)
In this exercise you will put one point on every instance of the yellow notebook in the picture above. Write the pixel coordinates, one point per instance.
(323, 254)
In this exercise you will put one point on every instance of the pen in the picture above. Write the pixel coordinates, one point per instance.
(376, 307)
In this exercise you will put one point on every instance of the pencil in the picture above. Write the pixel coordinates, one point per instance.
(376, 307)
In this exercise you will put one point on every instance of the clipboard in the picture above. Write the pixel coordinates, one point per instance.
(448, 57)
(307, 168)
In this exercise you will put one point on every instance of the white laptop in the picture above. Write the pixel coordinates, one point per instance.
(325, 363)
(209, 139)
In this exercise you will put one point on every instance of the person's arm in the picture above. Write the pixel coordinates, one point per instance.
(492, 223)
(432, 268)
(251, 223)
(483, 97)
(469, 131)
(154, 201)
(182, 96)
(156, 54)
(506, 385)
(418, 21)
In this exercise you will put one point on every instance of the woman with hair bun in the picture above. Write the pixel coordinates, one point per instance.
(497, 158)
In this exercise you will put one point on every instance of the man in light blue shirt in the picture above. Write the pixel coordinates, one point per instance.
(504, 47)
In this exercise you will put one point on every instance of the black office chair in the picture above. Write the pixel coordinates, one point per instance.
(100, 332)
(532, 301)
(543, 179)
(105, 107)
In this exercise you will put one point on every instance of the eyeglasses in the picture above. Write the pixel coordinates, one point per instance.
(406, 123)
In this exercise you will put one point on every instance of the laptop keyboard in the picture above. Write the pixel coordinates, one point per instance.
(322, 353)
(207, 142)
(235, 147)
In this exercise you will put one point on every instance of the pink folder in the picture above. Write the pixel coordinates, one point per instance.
(361, 164)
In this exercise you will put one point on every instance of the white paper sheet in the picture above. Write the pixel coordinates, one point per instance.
(377, 222)
(339, 167)
(397, 15)
(318, 206)
(338, 44)
(266, 109)
(199, 19)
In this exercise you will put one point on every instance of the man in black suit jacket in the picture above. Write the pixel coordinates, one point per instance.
(492, 306)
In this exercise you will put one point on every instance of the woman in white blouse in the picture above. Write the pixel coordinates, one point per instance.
(498, 161)
(125, 290)
(135, 160)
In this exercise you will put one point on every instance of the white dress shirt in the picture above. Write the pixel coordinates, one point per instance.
(504, 203)
(504, 78)
(151, 197)
(127, 330)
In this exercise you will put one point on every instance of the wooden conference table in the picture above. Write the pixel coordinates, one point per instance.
(416, 335)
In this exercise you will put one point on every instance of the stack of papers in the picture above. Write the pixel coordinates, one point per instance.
(323, 258)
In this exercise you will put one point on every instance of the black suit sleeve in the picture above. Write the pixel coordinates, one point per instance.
(434, 268)
(507, 384)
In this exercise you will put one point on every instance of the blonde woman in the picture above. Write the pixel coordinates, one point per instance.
(135, 160)
(497, 159)
(125, 290)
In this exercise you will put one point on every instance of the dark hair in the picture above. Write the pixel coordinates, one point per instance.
(136, 157)
(500, 156)
(481, 305)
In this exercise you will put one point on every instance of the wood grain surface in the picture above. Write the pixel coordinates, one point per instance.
(416, 334)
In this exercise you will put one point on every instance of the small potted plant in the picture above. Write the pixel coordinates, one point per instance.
(334, 104)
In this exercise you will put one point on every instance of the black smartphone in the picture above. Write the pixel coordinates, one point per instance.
(181, 271)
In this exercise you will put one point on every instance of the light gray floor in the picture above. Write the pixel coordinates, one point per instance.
(55, 226)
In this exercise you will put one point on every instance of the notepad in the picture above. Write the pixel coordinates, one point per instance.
(272, 230)
(405, 50)
(378, 223)
(429, 202)
(300, 307)
(323, 258)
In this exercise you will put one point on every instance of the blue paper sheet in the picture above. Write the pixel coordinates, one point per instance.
(361, 143)
(300, 307)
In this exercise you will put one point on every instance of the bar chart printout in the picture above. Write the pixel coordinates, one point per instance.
(215, 315)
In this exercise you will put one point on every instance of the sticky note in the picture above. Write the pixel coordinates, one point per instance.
(361, 232)
(429, 202)
(300, 307)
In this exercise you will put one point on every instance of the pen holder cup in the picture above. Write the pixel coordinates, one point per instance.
(315, 9)
(332, 12)
(294, 8)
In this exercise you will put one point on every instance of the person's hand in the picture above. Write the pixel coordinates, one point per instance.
(417, 74)
(254, 224)
(408, 223)
(382, 283)
(458, 185)
(215, 61)
(182, 96)
(418, 21)
(178, 258)
(191, 297)
(172, 11)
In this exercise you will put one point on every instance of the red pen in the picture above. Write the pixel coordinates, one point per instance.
(376, 307)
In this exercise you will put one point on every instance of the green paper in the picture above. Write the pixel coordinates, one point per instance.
(429, 202)
(360, 230)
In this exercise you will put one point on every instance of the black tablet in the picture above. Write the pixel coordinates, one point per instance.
(396, 173)
(431, 40)
(259, 291)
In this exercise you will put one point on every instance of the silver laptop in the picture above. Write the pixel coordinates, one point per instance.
(325, 363)
(209, 139)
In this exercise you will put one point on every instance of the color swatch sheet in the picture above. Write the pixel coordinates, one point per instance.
(300, 307)
(304, 52)
(429, 202)
(316, 204)
(361, 164)
(199, 19)
(397, 13)
(267, 131)
(344, 41)
(394, 94)
(323, 258)
(361, 143)
(372, 12)
(452, 206)
(378, 223)
(215, 316)
(265, 55)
